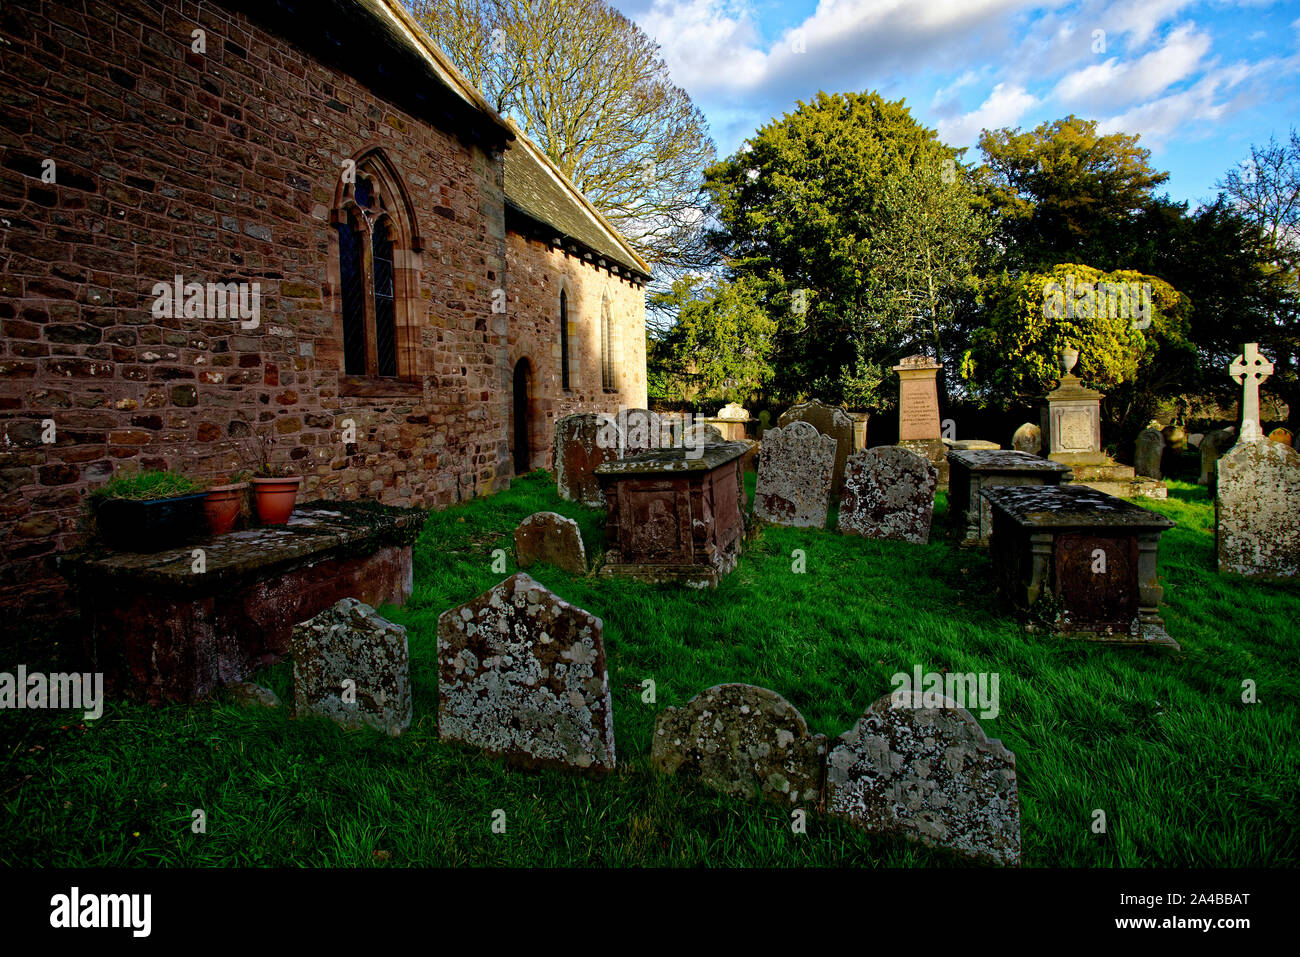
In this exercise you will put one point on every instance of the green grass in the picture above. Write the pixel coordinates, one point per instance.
(1187, 774)
(147, 486)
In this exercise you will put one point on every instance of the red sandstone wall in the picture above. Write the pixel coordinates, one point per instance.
(224, 167)
(537, 272)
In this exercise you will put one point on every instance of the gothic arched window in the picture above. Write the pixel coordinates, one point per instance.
(378, 273)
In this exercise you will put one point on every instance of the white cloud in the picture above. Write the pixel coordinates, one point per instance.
(1004, 107)
(1114, 82)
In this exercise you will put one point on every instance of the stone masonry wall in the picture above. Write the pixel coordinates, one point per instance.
(537, 272)
(224, 167)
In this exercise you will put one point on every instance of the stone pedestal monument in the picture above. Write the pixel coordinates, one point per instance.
(1071, 429)
(919, 430)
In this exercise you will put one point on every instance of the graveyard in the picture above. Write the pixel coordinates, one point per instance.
(577, 493)
(1187, 774)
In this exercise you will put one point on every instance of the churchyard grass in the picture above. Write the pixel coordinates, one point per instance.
(1185, 772)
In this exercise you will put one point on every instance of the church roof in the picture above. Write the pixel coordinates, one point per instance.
(537, 188)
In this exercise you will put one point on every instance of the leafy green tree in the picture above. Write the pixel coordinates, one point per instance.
(1031, 317)
(856, 225)
(722, 341)
(1062, 193)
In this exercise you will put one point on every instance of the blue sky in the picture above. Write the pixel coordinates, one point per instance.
(1200, 81)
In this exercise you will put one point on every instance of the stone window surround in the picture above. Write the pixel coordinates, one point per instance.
(373, 163)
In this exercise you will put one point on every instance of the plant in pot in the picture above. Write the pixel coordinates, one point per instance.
(151, 511)
(224, 502)
(275, 487)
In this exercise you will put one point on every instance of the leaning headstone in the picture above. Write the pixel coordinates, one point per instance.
(521, 673)
(1150, 449)
(353, 667)
(828, 420)
(742, 740)
(1212, 446)
(582, 442)
(930, 774)
(888, 493)
(795, 467)
(1255, 529)
(640, 431)
(550, 537)
(1028, 438)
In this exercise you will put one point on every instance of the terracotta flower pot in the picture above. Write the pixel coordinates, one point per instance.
(275, 497)
(222, 506)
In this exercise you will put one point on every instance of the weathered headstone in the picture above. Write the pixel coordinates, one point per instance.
(1028, 438)
(1281, 435)
(919, 428)
(1255, 528)
(888, 493)
(1150, 449)
(640, 430)
(583, 442)
(353, 667)
(695, 436)
(1212, 446)
(828, 420)
(550, 537)
(521, 673)
(795, 466)
(742, 740)
(1175, 435)
(929, 773)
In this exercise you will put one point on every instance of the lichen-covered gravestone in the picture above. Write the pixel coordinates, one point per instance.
(550, 537)
(583, 442)
(1028, 438)
(699, 435)
(1148, 453)
(521, 673)
(828, 420)
(1212, 446)
(795, 466)
(1255, 525)
(353, 667)
(930, 774)
(742, 740)
(888, 493)
(640, 431)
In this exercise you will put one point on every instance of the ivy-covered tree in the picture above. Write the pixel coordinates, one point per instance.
(1126, 326)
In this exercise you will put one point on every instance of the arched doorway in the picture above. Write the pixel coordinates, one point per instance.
(522, 445)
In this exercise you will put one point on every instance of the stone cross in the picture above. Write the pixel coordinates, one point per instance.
(1250, 369)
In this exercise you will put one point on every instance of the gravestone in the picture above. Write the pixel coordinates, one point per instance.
(1175, 435)
(1150, 449)
(919, 429)
(795, 468)
(582, 443)
(742, 740)
(640, 430)
(1194, 439)
(974, 470)
(1255, 529)
(521, 673)
(930, 774)
(828, 420)
(353, 667)
(888, 493)
(550, 537)
(701, 434)
(1028, 438)
(1212, 446)
(1281, 435)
